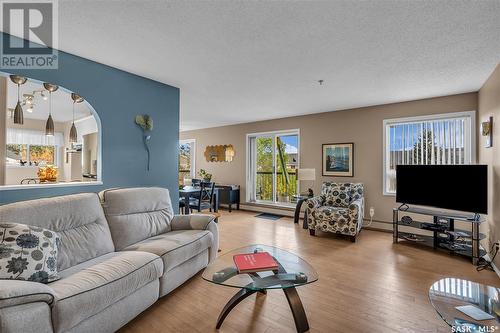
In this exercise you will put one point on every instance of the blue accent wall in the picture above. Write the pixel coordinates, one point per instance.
(117, 96)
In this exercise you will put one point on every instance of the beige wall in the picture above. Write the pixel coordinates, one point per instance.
(489, 105)
(362, 126)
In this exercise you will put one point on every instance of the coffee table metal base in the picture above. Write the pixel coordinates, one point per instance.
(299, 315)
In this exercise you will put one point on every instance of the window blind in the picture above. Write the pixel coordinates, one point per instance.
(426, 142)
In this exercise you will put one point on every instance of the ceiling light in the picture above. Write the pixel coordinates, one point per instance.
(49, 126)
(18, 111)
(73, 136)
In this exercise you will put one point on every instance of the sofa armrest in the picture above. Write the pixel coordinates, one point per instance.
(311, 205)
(199, 222)
(315, 202)
(17, 292)
(191, 222)
(356, 212)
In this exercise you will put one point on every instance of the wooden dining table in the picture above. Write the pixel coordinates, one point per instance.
(189, 191)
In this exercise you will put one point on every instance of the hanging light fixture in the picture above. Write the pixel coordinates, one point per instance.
(73, 136)
(49, 125)
(18, 111)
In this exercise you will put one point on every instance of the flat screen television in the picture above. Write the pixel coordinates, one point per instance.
(455, 187)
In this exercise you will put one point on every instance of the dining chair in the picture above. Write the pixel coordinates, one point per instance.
(182, 206)
(205, 199)
(195, 195)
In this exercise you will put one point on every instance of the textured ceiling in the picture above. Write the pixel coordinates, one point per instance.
(243, 61)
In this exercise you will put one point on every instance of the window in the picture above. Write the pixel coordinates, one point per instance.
(186, 159)
(32, 147)
(32, 154)
(427, 140)
(272, 167)
(16, 153)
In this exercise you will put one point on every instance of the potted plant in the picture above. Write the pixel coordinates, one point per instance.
(205, 175)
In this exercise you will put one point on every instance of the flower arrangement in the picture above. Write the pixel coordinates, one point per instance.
(145, 122)
(205, 175)
(48, 173)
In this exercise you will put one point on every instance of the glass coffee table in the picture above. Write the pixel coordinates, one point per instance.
(448, 293)
(293, 272)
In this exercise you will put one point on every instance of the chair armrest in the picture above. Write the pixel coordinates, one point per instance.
(356, 211)
(315, 202)
(198, 222)
(17, 292)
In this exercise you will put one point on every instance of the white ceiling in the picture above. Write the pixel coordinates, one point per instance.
(62, 104)
(244, 61)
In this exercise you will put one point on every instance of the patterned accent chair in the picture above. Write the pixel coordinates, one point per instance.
(339, 209)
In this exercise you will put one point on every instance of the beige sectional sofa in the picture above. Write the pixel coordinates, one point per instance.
(119, 253)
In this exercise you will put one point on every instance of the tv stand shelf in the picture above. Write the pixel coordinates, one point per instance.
(441, 232)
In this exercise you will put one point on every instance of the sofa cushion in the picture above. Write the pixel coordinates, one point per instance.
(78, 219)
(135, 214)
(175, 247)
(90, 287)
(357, 191)
(28, 253)
(338, 195)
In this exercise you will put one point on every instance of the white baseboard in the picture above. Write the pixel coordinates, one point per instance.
(495, 268)
(264, 209)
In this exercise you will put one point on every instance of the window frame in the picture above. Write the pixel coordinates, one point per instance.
(192, 142)
(249, 176)
(56, 152)
(387, 122)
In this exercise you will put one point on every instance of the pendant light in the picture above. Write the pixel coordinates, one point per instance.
(18, 111)
(73, 136)
(49, 126)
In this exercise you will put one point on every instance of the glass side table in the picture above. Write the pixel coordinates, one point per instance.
(448, 293)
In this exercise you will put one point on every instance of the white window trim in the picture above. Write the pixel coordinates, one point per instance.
(248, 167)
(192, 142)
(416, 119)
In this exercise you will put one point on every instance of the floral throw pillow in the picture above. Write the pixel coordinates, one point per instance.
(28, 253)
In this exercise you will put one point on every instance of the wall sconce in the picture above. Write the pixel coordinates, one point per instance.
(487, 132)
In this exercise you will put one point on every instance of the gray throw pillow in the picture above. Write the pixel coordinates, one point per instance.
(28, 253)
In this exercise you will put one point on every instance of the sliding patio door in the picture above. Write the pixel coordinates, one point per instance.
(272, 164)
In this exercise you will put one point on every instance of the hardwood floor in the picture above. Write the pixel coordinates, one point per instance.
(367, 286)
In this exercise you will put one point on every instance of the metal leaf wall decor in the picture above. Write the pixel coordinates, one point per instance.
(145, 122)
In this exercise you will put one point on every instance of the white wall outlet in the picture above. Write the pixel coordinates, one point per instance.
(372, 211)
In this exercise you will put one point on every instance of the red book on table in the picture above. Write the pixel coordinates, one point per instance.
(254, 262)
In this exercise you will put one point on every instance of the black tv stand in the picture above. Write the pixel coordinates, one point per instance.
(439, 230)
